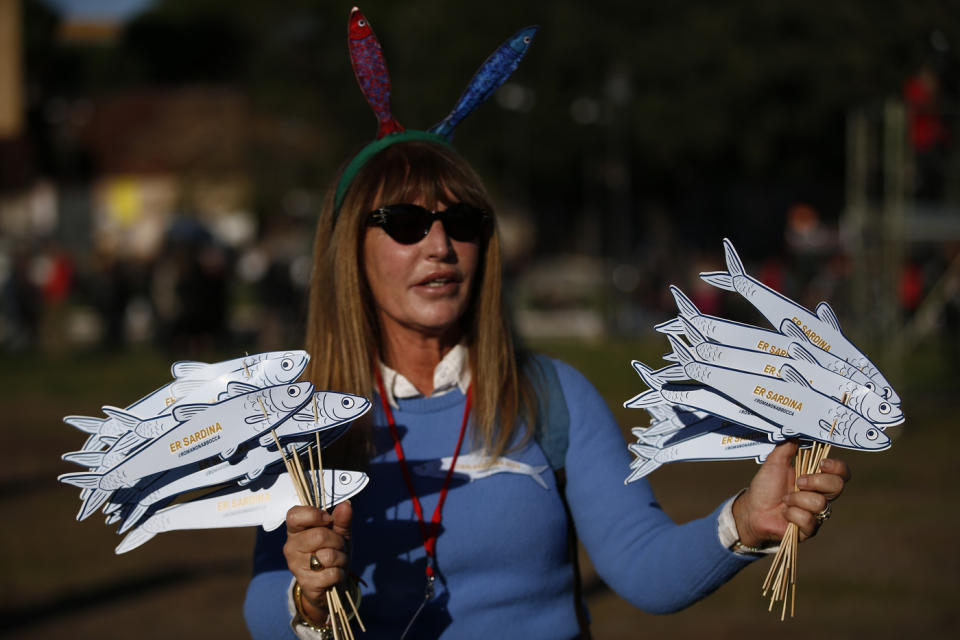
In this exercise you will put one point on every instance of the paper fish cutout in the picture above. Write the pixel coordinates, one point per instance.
(659, 439)
(335, 412)
(727, 442)
(489, 77)
(284, 361)
(700, 397)
(667, 412)
(326, 409)
(665, 427)
(370, 69)
(477, 465)
(204, 431)
(234, 507)
(745, 336)
(172, 483)
(729, 332)
(789, 401)
(861, 399)
(825, 359)
(195, 382)
(822, 328)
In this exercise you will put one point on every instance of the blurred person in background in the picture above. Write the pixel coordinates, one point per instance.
(928, 132)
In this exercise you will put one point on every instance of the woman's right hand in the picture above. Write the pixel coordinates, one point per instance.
(312, 531)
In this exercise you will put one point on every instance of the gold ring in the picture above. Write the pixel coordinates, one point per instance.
(824, 515)
(315, 563)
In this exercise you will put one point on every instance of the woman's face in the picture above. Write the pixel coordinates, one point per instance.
(424, 287)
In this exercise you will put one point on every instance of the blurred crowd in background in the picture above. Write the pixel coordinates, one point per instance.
(161, 171)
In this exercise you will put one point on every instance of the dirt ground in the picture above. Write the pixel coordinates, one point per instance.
(884, 566)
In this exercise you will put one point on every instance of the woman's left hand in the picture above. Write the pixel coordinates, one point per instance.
(764, 510)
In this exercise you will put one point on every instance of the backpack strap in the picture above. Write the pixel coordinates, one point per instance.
(552, 434)
(552, 430)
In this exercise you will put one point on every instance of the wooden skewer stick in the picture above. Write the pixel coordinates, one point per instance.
(295, 471)
(290, 470)
(338, 616)
(773, 567)
(320, 468)
(301, 478)
(356, 614)
(283, 456)
(342, 613)
(323, 499)
(317, 478)
(793, 588)
(781, 579)
(334, 623)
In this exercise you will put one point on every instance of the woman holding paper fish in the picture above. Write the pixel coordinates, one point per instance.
(406, 307)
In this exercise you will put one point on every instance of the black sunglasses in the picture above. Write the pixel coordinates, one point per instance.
(410, 223)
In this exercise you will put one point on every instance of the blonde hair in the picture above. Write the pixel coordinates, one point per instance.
(343, 337)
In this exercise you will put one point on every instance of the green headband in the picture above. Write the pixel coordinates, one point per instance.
(372, 149)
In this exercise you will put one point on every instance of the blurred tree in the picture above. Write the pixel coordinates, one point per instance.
(715, 111)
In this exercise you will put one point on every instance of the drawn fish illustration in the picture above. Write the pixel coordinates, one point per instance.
(370, 69)
(327, 409)
(729, 332)
(194, 382)
(667, 412)
(789, 401)
(825, 359)
(745, 336)
(673, 420)
(489, 77)
(730, 442)
(334, 414)
(660, 437)
(235, 507)
(286, 361)
(205, 431)
(704, 398)
(860, 398)
(477, 465)
(198, 475)
(822, 328)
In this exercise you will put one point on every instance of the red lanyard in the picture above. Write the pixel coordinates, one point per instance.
(429, 534)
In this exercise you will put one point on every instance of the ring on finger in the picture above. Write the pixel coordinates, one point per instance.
(824, 515)
(315, 564)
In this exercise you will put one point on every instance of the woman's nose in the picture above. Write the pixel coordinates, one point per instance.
(437, 241)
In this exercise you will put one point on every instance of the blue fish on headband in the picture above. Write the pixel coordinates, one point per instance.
(492, 73)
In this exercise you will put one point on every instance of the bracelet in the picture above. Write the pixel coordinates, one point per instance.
(325, 630)
(739, 547)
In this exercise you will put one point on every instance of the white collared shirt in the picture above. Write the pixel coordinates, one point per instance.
(452, 372)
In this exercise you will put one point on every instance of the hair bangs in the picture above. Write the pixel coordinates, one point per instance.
(420, 172)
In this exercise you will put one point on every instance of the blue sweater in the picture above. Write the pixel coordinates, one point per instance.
(502, 550)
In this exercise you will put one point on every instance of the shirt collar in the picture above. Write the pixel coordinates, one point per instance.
(452, 372)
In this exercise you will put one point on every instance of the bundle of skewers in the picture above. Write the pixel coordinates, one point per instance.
(205, 451)
(736, 390)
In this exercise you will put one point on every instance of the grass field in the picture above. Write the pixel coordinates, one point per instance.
(884, 566)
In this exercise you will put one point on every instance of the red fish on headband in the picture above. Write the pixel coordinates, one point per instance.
(370, 68)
